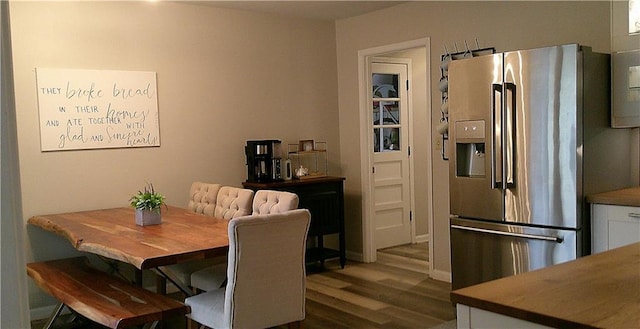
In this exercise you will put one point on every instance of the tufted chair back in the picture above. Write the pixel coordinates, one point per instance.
(203, 198)
(272, 202)
(233, 202)
(266, 284)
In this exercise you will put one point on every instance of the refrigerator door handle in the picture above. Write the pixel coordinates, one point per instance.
(496, 136)
(510, 133)
(511, 234)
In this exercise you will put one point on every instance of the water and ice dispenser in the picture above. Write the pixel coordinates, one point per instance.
(470, 148)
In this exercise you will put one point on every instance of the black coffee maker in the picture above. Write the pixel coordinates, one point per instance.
(263, 161)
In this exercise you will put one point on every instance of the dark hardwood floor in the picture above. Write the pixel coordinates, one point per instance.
(394, 292)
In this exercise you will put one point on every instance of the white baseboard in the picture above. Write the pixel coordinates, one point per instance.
(358, 257)
(422, 238)
(440, 275)
(355, 256)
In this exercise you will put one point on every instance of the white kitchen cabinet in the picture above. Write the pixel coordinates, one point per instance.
(613, 226)
(471, 317)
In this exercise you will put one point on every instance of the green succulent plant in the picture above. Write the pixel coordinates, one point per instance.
(147, 199)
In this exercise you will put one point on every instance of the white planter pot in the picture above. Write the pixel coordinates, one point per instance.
(148, 217)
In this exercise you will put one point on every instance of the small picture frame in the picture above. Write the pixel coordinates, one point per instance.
(306, 145)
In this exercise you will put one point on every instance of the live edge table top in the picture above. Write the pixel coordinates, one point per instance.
(113, 233)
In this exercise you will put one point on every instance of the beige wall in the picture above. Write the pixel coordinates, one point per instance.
(503, 25)
(223, 76)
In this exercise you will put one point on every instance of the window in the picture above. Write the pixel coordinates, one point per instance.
(386, 112)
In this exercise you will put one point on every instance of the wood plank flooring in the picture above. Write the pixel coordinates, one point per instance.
(394, 292)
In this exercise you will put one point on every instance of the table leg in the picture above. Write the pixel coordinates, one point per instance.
(175, 281)
(54, 316)
(137, 277)
(320, 241)
(114, 268)
(343, 255)
(161, 284)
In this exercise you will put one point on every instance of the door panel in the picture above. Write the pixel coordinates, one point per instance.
(475, 173)
(391, 194)
(391, 189)
(390, 170)
(483, 251)
(543, 105)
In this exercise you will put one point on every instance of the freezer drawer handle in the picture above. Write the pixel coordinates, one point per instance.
(517, 235)
(634, 215)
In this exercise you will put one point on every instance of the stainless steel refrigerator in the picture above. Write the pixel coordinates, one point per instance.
(530, 135)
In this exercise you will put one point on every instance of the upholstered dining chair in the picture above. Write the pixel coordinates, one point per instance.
(273, 202)
(233, 202)
(264, 202)
(202, 200)
(266, 285)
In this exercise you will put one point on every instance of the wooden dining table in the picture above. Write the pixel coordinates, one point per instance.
(112, 233)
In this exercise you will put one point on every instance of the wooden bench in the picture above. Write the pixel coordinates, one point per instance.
(100, 297)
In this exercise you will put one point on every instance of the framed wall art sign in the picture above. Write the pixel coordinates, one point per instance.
(96, 109)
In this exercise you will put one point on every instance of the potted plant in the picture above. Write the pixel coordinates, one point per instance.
(147, 204)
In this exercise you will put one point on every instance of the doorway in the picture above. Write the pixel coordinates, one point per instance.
(417, 151)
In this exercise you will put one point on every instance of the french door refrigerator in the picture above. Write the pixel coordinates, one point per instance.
(530, 138)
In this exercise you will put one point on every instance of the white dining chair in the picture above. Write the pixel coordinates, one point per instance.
(266, 285)
(264, 202)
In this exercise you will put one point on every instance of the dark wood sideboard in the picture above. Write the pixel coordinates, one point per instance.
(324, 197)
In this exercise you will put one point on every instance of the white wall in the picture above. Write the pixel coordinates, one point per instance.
(224, 77)
(499, 24)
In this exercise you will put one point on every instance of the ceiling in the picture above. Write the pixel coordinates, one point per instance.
(324, 10)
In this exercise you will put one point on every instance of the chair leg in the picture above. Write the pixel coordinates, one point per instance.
(193, 324)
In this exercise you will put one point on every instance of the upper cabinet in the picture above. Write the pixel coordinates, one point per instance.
(625, 73)
(625, 91)
(625, 25)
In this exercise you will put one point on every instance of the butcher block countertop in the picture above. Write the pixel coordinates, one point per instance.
(597, 291)
(624, 197)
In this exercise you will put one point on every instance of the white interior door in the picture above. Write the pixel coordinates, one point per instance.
(391, 179)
